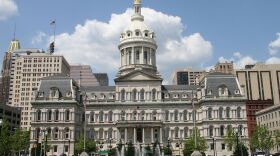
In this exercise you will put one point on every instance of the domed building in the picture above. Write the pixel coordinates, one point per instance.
(139, 109)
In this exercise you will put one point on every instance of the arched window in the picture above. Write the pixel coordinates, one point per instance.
(49, 115)
(101, 114)
(228, 112)
(176, 132)
(210, 113)
(134, 115)
(222, 130)
(123, 95)
(143, 115)
(229, 128)
(186, 132)
(39, 113)
(110, 133)
(92, 117)
(134, 95)
(238, 112)
(185, 115)
(167, 130)
(211, 130)
(49, 132)
(38, 130)
(56, 115)
(221, 110)
(166, 115)
(123, 115)
(176, 114)
(100, 133)
(154, 115)
(240, 128)
(67, 115)
(142, 92)
(55, 133)
(67, 133)
(110, 116)
(154, 94)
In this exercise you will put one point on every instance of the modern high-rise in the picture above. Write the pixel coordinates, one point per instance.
(27, 67)
(260, 82)
(187, 76)
(6, 70)
(102, 78)
(83, 75)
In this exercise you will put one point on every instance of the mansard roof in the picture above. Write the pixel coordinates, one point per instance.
(214, 81)
(179, 87)
(62, 83)
(98, 88)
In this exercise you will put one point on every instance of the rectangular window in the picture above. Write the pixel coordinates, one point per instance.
(223, 146)
(66, 148)
(212, 146)
(55, 148)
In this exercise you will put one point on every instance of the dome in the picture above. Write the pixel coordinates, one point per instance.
(137, 25)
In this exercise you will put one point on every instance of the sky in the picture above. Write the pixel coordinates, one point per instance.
(190, 33)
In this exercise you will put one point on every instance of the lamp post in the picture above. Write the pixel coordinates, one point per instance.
(69, 147)
(45, 142)
(110, 146)
(85, 124)
(179, 145)
(168, 146)
(237, 142)
(195, 152)
(214, 145)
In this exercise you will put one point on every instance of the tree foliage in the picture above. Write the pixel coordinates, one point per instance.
(277, 138)
(240, 149)
(230, 138)
(189, 145)
(5, 142)
(130, 149)
(261, 139)
(90, 145)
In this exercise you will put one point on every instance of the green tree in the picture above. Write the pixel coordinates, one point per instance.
(20, 141)
(240, 148)
(90, 145)
(148, 150)
(5, 141)
(189, 145)
(277, 139)
(230, 138)
(261, 139)
(130, 149)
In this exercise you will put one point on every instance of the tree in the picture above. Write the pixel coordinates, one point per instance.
(90, 145)
(5, 142)
(189, 145)
(261, 139)
(240, 149)
(20, 140)
(130, 149)
(230, 138)
(277, 139)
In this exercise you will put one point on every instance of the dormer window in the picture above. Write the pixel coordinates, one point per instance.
(176, 96)
(40, 94)
(237, 91)
(54, 92)
(209, 92)
(166, 95)
(69, 94)
(93, 96)
(112, 96)
(103, 96)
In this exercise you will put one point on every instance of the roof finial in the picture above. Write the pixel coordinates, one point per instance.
(137, 11)
(137, 1)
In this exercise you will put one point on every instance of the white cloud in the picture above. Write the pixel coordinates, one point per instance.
(7, 8)
(273, 60)
(274, 46)
(242, 62)
(237, 55)
(96, 43)
(39, 38)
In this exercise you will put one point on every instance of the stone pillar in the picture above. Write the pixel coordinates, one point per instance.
(134, 135)
(125, 135)
(143, 136)
(152, 134)
(160, 135)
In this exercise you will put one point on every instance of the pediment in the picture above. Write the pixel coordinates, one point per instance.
(138, 76)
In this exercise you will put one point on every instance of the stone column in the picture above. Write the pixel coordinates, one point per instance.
(160, 135)
(125, 135)
(143, 136)
(134, 135)
(152, 134)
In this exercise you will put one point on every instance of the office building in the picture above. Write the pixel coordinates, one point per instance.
(187, 76)
(83, 75)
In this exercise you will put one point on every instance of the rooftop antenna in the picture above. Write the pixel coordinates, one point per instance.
(15, 29)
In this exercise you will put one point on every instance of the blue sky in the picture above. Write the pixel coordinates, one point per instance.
(241, 30)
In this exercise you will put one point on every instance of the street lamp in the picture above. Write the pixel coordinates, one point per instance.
(214, 145)
(45, 144)
(237, 141)
(168, 146)
(179, 145)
